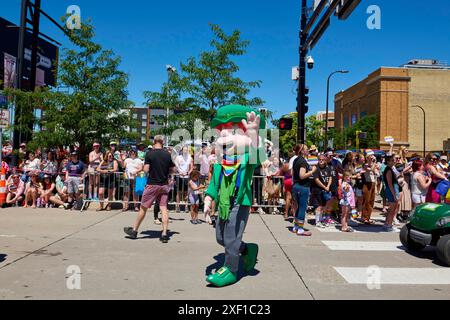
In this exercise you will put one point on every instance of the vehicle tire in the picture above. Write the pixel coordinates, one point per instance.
(443, 249)
(407, 242)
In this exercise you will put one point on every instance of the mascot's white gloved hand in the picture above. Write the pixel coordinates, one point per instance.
(207, 205)
(251, 126)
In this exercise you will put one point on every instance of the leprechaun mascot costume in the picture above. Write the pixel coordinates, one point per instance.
(240, 152)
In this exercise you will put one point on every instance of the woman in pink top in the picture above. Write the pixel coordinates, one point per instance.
(431, 161)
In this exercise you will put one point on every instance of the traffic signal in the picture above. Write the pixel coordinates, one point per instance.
(306, 99)
(285, 124)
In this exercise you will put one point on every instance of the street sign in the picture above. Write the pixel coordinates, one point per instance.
(4, 118)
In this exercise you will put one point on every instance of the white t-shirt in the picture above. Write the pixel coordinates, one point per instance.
(34, 165)
(291, 162)
(204, 165)
(183, 163)
(132, 166)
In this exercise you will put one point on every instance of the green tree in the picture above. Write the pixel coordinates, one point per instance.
(211, 79)
(346, 139)
(314, 131)
(182, 111)
(203, 84)
(94, 105)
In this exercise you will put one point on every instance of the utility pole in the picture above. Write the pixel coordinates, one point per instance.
(302, 77)
(34, 43)
(30, 12)
(308, 39)
(17, 135)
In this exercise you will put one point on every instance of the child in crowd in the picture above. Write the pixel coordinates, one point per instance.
(347, 202)
(48, 187)
(193, 193)
(32, 190)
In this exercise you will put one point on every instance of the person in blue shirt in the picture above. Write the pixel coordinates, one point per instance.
(74, 178)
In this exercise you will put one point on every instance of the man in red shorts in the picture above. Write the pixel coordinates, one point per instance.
(158, 164)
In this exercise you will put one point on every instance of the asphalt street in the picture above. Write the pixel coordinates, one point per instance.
(57, 254)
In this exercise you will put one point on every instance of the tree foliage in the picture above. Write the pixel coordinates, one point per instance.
(92, 106)
(205, 83)
(346, 139)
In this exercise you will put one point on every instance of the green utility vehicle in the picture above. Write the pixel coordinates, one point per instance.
(429, 225)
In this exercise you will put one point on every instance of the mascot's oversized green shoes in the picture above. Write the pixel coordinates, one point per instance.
(250, 257)
(223, 277)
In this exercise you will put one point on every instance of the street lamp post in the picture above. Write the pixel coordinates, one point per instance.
(424, 126)
(170, 70)
(328, 94)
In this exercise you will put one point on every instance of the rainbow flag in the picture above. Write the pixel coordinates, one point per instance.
(312, 160)
(230, 164)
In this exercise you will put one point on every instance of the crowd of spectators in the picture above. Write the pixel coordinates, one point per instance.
(337, 187)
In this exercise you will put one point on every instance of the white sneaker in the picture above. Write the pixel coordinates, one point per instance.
(261, 211)
(320, 225)
(396, 222)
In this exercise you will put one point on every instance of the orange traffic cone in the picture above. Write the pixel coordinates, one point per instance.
(3, 186)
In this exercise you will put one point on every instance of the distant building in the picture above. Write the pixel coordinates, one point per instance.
(148, 121)
(322, 116)
(391, 94)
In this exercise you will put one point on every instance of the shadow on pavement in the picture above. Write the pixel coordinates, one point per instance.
(220, 260)
(176, 219)
(153, 234)
(2, 257)
(428, 253)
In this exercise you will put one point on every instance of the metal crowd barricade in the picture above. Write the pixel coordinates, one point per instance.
(178, 196)
(108, 188)
(268, 193)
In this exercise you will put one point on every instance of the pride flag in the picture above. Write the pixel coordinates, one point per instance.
(312, 160)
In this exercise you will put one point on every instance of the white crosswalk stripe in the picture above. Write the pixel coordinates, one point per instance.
(396, 276)
(363, 246)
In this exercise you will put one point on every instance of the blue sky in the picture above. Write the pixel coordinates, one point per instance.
(150, 34)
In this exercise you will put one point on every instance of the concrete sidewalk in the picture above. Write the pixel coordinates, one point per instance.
(37, 247)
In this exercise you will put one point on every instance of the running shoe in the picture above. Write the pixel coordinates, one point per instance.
(130, 232)
(164, 238)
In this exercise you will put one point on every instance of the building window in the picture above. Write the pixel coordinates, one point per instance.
(345, 121)
(144, 124)
(144, 116)
(134, 115)
(362, 114)
(144, 131)
(134, 130)
(354, 118)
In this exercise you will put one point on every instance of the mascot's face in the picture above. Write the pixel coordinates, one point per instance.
(232, 139)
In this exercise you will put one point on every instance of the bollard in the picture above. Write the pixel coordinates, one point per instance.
(3, 186)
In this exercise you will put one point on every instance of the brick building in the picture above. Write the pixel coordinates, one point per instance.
(391, 94)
